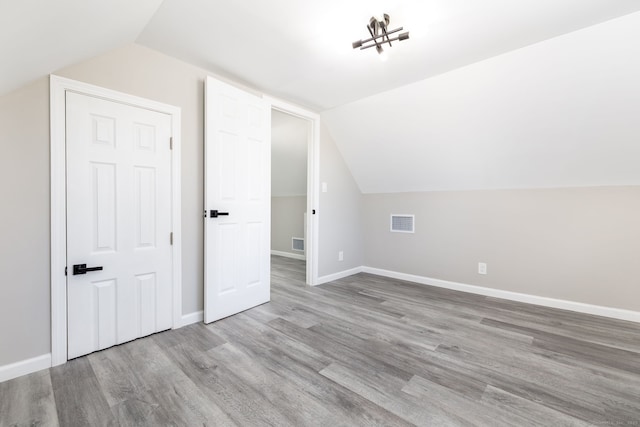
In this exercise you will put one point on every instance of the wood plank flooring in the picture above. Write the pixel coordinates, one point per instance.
(360, 351)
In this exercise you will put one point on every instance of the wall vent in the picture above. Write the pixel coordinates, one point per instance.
(297, 244)
(402, 223)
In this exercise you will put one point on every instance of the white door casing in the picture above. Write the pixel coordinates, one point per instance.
(118, 218)
(237, 182)
(136, 319)
(313, 182)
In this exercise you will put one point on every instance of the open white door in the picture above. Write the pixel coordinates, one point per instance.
(237, 200)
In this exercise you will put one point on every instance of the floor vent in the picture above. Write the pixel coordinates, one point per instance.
(402, 223)
(297, 244)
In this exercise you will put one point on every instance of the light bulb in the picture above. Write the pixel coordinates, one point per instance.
(382, 55)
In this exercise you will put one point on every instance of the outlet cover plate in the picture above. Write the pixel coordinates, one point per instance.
(482, 268)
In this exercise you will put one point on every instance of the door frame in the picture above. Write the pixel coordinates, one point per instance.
(57, 90)
(313, 180)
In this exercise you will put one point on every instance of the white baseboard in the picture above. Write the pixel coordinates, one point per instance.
(615, 313)
(24, 367)
(289, 255)
(339, 275)
(191, 318)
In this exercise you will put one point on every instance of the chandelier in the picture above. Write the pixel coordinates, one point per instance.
(379, 31)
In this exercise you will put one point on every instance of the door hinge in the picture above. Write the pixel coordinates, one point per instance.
(171, 143)
(65, 271)
(171, 238)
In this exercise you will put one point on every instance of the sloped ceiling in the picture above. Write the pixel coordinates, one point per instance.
(561, 113)
(485, 94)
(301, 50)
(298, 50)
(39, 37)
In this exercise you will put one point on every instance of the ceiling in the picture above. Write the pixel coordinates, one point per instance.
(562, 113)
(297, 50)
(39, 37)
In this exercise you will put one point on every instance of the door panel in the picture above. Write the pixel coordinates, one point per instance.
(103, 178)
(145, 207)
(118, 217)
(146, 287)
(238, 181)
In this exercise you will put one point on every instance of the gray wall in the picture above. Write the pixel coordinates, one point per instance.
(577, 244)
(24, 167)
(287, 221)
(340, 219)
(24, 246)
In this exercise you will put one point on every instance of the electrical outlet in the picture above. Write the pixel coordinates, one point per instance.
(482, 268)
(340, 256)
(324, 187)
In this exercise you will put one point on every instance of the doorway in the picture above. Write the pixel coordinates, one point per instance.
(298, 121)
(237, 195)
(289, 170)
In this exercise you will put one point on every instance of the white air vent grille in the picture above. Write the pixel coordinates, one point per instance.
(402, 223)
(297, 244)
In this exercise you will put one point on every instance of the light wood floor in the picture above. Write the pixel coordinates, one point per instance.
(359, 351)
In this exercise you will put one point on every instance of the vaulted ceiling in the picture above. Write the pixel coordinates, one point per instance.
(562, 113)
(484, 94)
(298, 50)
(39, 37)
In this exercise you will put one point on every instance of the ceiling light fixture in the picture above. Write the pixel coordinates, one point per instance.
(378, 28)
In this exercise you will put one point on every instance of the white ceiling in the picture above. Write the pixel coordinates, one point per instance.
(485, 93)
(38, 37)
(562, 113)
(288, 155)
(301, 50)
(298, 50)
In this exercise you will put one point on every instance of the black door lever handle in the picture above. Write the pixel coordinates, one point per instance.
(215, 214)
(82, 269)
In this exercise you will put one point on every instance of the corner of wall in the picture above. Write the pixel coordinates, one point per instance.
(340, 214)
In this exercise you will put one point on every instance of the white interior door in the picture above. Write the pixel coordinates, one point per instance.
(119, 219)
(238, 187)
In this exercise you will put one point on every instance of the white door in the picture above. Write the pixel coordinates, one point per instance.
(238, 188)
(119, 220)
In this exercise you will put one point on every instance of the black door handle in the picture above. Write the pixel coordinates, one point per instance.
(82, 269)
(216, 214)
